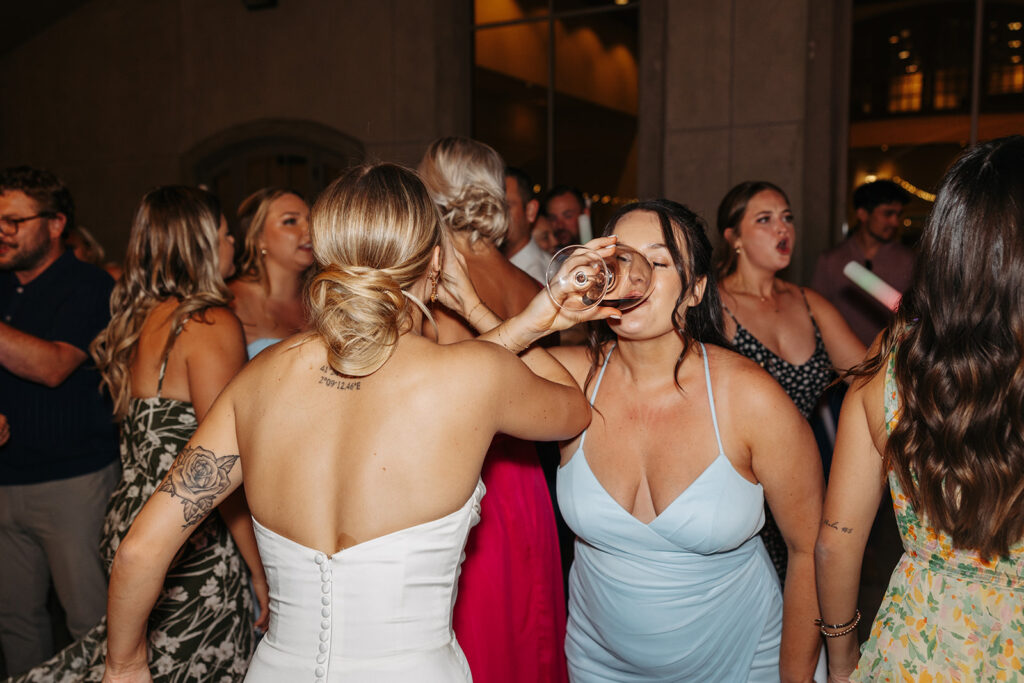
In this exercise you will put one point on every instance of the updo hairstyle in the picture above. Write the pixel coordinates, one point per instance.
(373, 230)
(466, 180)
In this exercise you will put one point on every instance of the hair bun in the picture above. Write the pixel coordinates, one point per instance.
(479, 210)
(358, 311)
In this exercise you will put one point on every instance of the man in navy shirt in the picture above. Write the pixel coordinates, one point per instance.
(59, 464)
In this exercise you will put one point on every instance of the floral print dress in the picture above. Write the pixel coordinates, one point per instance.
(948, 615)
(201, 628)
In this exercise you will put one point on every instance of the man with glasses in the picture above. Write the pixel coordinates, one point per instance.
(59, 464)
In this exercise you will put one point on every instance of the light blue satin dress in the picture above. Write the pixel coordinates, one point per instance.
(691, 596)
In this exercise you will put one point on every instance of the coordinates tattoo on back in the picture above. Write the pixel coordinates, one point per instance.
(197, 477)
(835, 525)
(335, 381)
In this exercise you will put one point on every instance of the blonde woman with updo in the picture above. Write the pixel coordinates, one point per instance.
(510, 618)
(361, 442)
(171, 346)
(276, 256)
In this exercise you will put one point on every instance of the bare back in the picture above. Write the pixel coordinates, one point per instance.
(502, 287)
(332, 461)
(206, 354)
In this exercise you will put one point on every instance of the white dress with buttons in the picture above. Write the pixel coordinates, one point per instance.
(378, 611)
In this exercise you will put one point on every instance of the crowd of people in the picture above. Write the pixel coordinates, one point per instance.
(328, 435)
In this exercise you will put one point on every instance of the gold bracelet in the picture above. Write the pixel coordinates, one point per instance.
(514, 348)
(837, 630)
(469, 316)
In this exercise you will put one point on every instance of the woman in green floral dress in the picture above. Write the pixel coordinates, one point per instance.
(171, 346)
(939, 412)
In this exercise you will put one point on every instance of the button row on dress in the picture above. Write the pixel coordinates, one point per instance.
(325, 611)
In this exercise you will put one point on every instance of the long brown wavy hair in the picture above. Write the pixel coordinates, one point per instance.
(958, 340)
(172, 253)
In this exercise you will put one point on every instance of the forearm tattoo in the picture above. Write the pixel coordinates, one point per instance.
(835, 525)
(197, 477)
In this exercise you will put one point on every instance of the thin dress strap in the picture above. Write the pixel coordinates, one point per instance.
(806, 303)
(600, 375)
(163, 364)
(597, 385)
(160, 382)
(711, 398)
(731, 315)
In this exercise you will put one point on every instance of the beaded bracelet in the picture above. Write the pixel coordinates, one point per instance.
(838, 630)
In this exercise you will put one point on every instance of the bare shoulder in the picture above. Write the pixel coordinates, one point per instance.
(869, 392)
(575, 359)
(213, 326)
(818, 303)
(743, 385)
(473, 355)
(216, 318)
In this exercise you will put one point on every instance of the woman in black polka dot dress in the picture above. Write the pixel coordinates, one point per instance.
(792, 332)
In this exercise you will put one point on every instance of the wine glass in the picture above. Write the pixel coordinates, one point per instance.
(579, 279)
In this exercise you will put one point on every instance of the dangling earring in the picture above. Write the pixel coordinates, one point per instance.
(738, 250)
(433, 289)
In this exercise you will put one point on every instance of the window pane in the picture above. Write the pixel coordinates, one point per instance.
(490, 11)
(571, 5)
(1003, 60)
(510, 94)
(910, 94)
(595, 111)
(911, 59)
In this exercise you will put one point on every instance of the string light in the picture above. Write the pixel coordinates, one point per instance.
(914, 189)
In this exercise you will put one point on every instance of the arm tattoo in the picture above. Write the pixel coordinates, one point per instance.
(198, 476)
(835, 525)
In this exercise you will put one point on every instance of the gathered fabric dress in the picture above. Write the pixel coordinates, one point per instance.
(510, 616)
(690, 596)
(377, 612)
(948, 614)
(201, 628)
(804, 384)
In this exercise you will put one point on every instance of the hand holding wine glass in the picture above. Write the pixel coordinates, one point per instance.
(580, 277)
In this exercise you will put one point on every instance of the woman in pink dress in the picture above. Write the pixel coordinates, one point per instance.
(510, 613)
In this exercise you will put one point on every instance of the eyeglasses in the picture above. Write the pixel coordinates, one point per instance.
(9, 226)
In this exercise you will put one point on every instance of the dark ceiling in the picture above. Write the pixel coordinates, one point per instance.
(22, 19)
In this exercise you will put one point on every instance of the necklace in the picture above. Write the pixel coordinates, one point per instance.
(764, 299)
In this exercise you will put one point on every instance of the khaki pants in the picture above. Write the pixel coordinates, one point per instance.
(51, 529)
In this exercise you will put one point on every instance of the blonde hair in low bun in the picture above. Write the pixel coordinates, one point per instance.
(373, 230)
(466, 179)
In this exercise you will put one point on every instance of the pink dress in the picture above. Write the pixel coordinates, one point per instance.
(510, 613)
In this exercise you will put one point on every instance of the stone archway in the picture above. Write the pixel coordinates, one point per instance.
(301, 155)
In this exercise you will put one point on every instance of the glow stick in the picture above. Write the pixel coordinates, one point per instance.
(873, 285)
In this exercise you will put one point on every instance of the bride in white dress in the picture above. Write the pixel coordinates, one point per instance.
(361, 444)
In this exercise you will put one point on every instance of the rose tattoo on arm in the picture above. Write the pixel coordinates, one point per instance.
(198, 476)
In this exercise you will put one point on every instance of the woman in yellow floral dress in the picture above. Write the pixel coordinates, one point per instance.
(939, 412)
